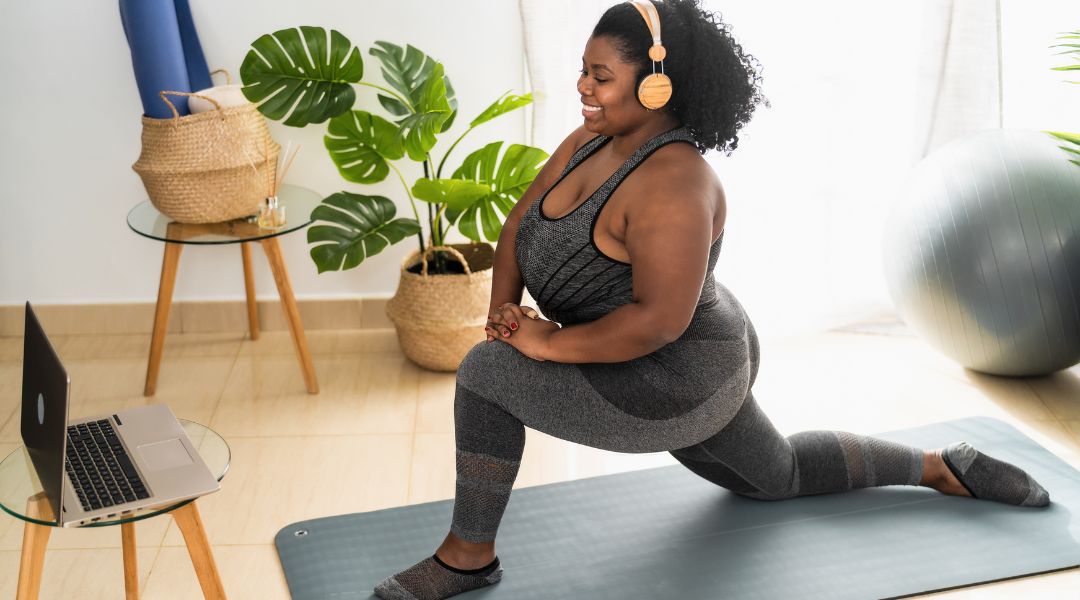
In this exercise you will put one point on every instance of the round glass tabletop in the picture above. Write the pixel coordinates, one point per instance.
(19, 482)
(298, 201)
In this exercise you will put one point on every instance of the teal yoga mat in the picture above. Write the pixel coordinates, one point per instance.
(667, 533)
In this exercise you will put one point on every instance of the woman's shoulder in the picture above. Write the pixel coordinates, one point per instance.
(677, 169)
(679, 162)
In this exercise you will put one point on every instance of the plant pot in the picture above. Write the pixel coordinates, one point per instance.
(439, 318)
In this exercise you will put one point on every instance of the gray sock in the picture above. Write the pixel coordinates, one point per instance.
(431, 579)
(988, 478)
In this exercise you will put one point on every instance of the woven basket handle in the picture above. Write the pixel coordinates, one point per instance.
(454, 251)
(228, 78)
(176, 114)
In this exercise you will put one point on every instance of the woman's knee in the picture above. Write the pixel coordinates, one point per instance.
(483, 364)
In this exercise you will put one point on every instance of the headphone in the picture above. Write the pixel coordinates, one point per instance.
(654, 90)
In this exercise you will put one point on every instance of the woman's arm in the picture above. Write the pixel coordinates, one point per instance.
(506, 281)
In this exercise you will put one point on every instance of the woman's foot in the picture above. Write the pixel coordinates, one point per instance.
(458, 553)
(938, 476)
(959, 469)
(456, 567)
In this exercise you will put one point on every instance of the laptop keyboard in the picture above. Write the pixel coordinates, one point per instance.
(99, 468)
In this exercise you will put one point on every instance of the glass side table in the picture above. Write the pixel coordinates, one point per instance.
(145, 220)
(21, 496)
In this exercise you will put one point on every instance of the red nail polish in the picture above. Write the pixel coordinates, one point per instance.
(513, 326)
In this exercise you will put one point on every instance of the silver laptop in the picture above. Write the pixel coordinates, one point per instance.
(104, 467)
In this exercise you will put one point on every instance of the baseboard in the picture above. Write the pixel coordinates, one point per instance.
(196, 317)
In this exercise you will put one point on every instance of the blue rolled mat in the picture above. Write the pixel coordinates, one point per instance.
(162, 39)
(198, 72)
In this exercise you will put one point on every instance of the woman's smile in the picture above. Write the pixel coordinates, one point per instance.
(589, 111)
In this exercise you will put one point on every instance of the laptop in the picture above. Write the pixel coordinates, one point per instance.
(107, 466)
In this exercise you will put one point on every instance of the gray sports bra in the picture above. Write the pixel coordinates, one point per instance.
(570, 278)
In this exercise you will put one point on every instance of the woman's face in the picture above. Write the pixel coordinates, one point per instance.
(608, 83)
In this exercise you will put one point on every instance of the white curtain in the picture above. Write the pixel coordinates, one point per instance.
(860, 92)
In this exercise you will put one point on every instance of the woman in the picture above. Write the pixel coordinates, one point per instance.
(653, 355)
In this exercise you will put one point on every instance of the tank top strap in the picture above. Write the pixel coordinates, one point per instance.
(679, 134)
(583, 152)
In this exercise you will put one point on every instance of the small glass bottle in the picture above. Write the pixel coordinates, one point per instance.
(272, 214)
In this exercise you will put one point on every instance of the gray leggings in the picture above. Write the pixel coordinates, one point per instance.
(692, 399)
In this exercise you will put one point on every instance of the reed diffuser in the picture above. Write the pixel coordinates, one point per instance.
(272, 214)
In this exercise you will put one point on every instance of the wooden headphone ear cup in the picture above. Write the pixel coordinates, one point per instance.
(654, 91)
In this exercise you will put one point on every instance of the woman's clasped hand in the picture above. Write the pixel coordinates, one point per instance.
(521, 327)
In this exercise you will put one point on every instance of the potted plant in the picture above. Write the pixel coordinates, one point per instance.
(1074, 49)
(304, 75)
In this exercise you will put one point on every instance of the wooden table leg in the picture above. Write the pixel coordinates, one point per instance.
(249, 288)
(131, 561)
(35, 538)
(292, 314)
(161, 314)
(190, 523)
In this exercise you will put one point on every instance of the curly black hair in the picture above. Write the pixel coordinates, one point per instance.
(715, 86)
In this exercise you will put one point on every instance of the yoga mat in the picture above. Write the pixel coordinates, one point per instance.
(165, 53)
(667, 533)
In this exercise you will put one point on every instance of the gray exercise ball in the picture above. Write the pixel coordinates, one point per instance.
(982, 253)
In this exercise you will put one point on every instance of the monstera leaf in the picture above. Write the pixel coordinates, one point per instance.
(360, 226)
(278, 74)
(361, 143)
(455, 193)
(407, 70)
(501, 106)
(502, 183)
(417, 131)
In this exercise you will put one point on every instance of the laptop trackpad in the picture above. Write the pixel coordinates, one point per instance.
(169, 454)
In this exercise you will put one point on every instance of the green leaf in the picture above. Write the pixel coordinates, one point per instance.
(359, 226)
(512, 176)
(407, 71)
(1068, 137)
(505, 180)
(360, 144)
(452, 101)
(279, 75)
(455, 193)
(417, 131)
(502, 106)
(1073, 138)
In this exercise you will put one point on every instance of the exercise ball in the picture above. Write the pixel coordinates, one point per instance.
(981, 254)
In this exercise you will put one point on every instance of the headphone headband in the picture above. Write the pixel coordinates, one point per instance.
(652, 19)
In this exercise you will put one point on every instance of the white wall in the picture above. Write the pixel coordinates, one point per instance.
(70, 130)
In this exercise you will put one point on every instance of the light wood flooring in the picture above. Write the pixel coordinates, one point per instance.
(387, 426)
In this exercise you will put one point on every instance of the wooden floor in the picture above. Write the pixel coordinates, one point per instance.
(381, 435)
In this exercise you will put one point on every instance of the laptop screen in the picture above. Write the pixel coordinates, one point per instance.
(44, 409)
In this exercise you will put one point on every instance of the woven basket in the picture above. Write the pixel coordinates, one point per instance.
(208, 167)
(439, 318)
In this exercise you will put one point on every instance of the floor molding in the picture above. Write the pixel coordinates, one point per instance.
(197, 316)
